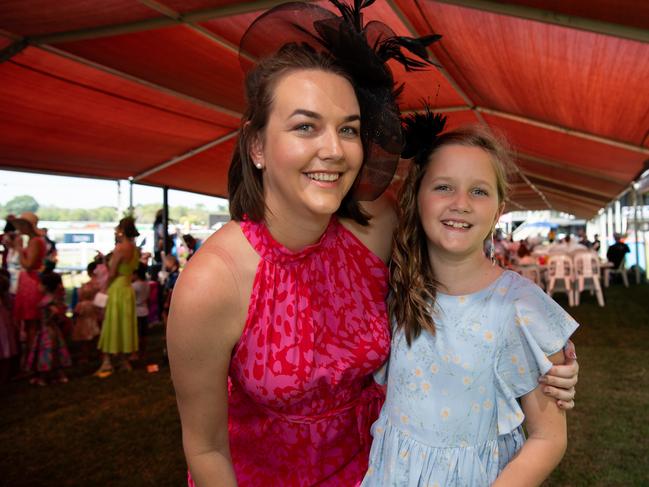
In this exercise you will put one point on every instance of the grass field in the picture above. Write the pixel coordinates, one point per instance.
(124, 430)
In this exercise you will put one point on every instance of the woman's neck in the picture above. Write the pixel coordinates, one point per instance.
(463, 275)
(296, 233)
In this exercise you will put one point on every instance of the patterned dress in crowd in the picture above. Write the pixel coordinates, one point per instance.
(302, 396)
(48, 350)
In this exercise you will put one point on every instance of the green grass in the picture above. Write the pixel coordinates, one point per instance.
(609, 429)
(124, 430)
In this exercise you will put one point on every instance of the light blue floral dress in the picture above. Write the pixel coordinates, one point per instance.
(451, 416)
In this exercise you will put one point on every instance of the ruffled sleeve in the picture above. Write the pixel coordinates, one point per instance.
(538, 328)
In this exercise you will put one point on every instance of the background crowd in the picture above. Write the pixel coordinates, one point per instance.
(526, 251)
(44, 327)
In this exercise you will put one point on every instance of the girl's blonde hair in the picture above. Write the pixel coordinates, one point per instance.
(412, 282)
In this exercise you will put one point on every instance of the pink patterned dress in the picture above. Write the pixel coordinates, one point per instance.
(302, 397)
(28, 294)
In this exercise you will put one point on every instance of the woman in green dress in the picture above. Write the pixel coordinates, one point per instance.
(119, 328)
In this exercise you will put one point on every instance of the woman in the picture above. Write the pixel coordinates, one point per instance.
(119, 328)
(28, 293)
(278, 321)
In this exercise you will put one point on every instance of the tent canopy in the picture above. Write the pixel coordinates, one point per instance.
(152, 89)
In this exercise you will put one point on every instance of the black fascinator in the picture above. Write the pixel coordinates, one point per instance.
(363, 52)
(420, 131)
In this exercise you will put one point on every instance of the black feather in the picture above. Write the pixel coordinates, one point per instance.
(391, 49)
(420, 131)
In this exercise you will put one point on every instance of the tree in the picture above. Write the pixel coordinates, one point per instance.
(20, 204)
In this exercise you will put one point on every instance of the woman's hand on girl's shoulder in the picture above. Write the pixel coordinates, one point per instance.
(561, 379)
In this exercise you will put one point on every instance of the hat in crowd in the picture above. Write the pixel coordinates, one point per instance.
(9, 225)
(27, 222)
(363, 51)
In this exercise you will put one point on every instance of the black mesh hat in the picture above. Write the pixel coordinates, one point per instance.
(420, 133)
(363, 52)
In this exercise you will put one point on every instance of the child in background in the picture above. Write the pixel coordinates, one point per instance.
(154, 310)
(172, 267)
(140, 285)
(8, 330)
(86, 321)
(48, 353)
(470, 340)
(100, 271)
(172, 270)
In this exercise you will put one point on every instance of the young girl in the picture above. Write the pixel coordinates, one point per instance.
(141, 288)
(86, 326)
(48, 353)
(172, 268)
(470, 339)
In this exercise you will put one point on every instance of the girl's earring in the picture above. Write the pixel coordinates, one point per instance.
(492, 250)
(258, 165)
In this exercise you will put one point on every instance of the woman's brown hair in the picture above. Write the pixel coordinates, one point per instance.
(412, 279)
(127, 226)
(245, 183)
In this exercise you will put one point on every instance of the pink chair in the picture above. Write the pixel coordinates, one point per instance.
(621, 270)
(561, 271)
(587, 275)
(533, 273)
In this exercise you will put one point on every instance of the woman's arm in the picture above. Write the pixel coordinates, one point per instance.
(546, 442)
(203, 328)
(29, 256)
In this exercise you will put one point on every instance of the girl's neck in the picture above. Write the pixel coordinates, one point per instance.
(296, 233)
(463, 275)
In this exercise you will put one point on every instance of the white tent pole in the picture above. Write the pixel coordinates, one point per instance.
(131, 208)
(610, 223)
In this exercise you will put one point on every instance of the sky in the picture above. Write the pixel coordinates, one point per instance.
(69, 192)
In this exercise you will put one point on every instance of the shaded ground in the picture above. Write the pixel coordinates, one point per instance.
(124, 430)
